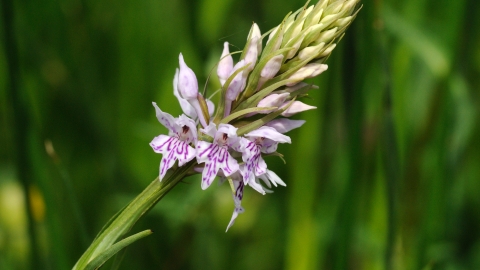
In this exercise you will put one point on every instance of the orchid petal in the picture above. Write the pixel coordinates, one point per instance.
(191, 135)
(215, 157)
(296, 107)
(211, 107)
(187, 81)
(273, 100)
(261, 166)
(172, 149)
(250, 155)
(274, 178)
(237, 83)
(256, 186)
(165, 119)
(210, 130)
(284, 125)
(269, 146)
(269, 133)
(225, 65)
(230, 131)
(237, 198)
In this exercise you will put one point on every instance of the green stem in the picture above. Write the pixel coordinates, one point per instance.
(127, 217)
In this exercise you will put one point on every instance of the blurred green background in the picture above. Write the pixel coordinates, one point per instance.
(385, 174)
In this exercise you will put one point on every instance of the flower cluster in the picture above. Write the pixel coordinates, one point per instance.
(258, 94)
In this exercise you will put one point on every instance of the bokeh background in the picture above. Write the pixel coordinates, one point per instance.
(385, 174)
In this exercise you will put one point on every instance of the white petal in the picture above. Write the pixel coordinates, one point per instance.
(250, 155)
(284, 125)
(273, 177)
(203, 151)
(182, 121)
(273, 100)
(237, 199)
(211, 107)
(237, 83)
(215, 157)
(166, 146)
(175, 84)
(272, 67)
(187, 108)
(230, 130)
(255, 185)
(297, 107)
(184, 153)
(187, 81)
(225, 65)
(161, 143)
(166, 119)
(210, 130)
(269, 146)
(269, 133)
(261, 167)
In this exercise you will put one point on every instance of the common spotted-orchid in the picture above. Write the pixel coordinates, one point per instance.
(264, 84)
(231, 139)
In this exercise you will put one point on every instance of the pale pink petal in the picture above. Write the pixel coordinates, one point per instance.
(172, 149)
(261, 166)
(215, 157)
(269, 146)
(250, 155)
(284, 125)
(296, 107)
(166, 119)
(269, 133)
(237, 199)
(210, 130)
(225, 65)
(187, 81)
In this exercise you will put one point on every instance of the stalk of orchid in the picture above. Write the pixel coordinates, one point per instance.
(258, 95)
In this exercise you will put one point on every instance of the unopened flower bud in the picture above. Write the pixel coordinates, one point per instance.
(348, 6)
(238, 82)
(334, 7)
(326, 36)
(328, 19)
(188, 89)
(284, 125)
(225, 65)
(252, 54)
(343, 21)
(313, 33)
(255, 32)
(278, 40)
(328, 50)
(309, 51)
(308, 71)
(272, 67)
(291, 53)
(272, 100)
(296, 107)
(314, 16)
(299, 86)
(306, 12)
(295, 31)
(187, 81)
